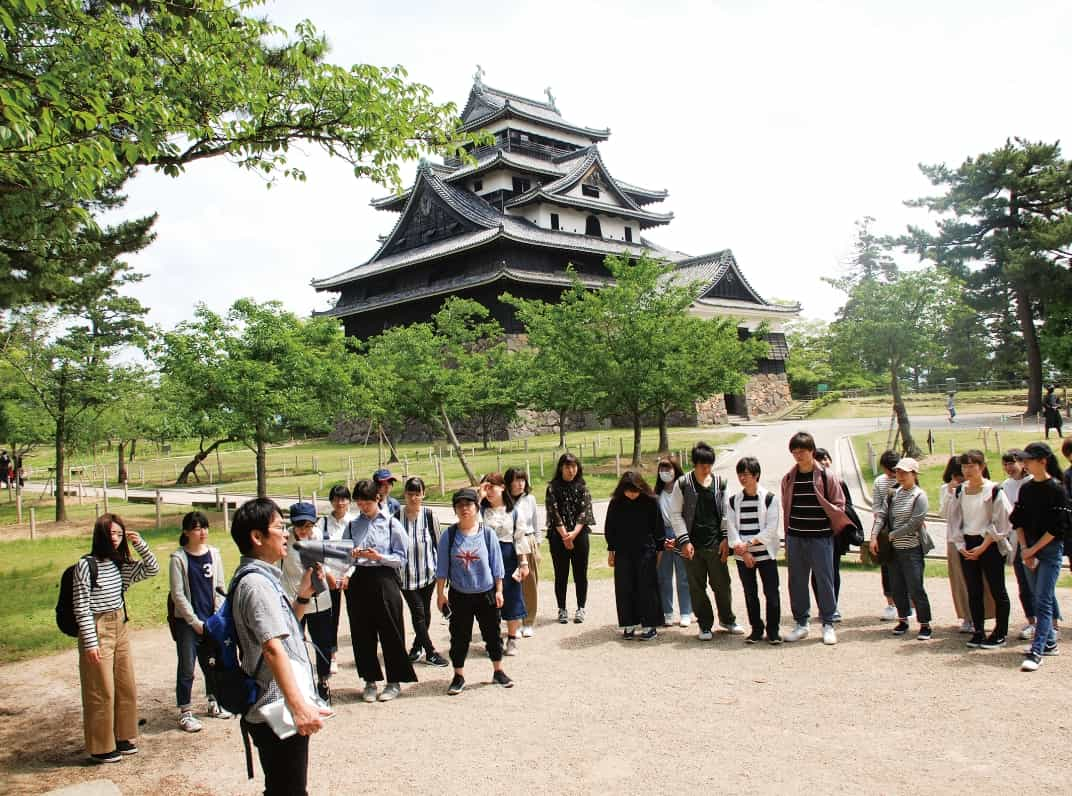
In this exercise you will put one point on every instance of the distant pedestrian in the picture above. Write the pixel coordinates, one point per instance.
(635, 533)
(951, 408)
(569, 523)
(1051, 407)
(5, 469)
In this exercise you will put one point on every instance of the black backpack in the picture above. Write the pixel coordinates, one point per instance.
(65, 619)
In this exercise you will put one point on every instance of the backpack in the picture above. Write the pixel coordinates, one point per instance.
(65, 619)
(234, 689)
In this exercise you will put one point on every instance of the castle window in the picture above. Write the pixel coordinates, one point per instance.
(521, 185)
(629, 234)
(590, 190)
(591, 227)
(478, 185)
(554, 221)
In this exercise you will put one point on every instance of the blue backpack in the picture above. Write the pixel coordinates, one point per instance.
(233, 688)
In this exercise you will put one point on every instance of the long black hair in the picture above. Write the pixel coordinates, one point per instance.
(668, 461)
(952, 470)
(631, 481)
(512, 474)
(102, 539)
(564, 459)
(1040, 450)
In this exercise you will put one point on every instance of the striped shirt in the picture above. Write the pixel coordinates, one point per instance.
(421, 553)
(112, 581)
(748, 524)
(807, 517)
(908, 510)
(883, 487)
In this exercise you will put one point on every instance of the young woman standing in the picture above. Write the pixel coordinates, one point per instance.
(569, 522)
(635, 534)
(1012, 462)
(497, 512)
(418, 576)
(332, 527)
(517, 482)
(671, 564)
(105, 665)
(953, 479)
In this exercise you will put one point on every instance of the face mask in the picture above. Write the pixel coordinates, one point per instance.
(666, 476)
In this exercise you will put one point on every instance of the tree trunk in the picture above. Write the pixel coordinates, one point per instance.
(909, 445)
(485, 430)
(1026, 318)
(562, 418)
(262, 467)
(61, 464)
(456, 445)
(664, 434)
(393, 459)
(133, 449)
(121, 464)
(199, 457)
(637, 429)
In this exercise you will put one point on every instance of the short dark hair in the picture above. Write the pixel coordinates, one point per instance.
(414, 484)
(1013, 455)
(952, 470)
(823, 454)
(339, 491)
(802, 441)
(888, 460)
(702, 453)
(366, 489)
(512, 474)
(672, 463)
(1066, 447)
(630, 480)
(563, 460)
(192, 520)
(102, 539)
(748, 464)
(253, 515)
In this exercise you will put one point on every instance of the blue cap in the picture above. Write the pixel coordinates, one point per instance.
(302, 512)
(383, 475)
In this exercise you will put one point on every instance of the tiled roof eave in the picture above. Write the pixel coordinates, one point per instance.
(600, 207)
(512, 110)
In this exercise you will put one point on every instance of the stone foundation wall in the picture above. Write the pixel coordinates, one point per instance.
(767, 394)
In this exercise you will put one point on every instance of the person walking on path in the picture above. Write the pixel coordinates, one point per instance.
(195, 575)
(813, 511)
(418, 576)
(105, 663)
(671, 564)
(951, 408)
(905, 514)
(1051, 407)
(569, 523)
(517, 482)
(635, 535)
(695, 509)
(753, 521)
(977, 521)
(470, 560)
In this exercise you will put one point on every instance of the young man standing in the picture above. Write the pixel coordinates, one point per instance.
(385, 482)
(269, 633)
(813, 511)
(695, 510)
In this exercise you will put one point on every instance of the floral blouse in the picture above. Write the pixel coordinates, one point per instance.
(568, 503)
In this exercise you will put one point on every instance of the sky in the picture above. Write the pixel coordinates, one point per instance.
(773, 125)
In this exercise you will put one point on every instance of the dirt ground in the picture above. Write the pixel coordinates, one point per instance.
(593, 713)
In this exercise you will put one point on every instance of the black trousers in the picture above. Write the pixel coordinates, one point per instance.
(420, 614)
(320, 632)
(990, 565)
(464, 608)
(336, 612)
(562, 559)
(636, 589)
(285, 763)
(374, 603)
(768, 573)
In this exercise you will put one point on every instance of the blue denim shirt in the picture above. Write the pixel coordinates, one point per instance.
(382, 533)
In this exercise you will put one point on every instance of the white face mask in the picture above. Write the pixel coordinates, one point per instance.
(666, 476)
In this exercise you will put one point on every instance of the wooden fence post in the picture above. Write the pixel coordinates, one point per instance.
(104, 489)
(33, 522)
(158, 506)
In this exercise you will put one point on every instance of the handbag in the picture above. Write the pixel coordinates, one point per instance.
(926, 543)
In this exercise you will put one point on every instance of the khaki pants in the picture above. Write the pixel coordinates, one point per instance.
(529, 584)
(109, 696)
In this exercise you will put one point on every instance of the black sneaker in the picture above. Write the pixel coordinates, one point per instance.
(976, 641)
(107, 757)
(1031, 662)
(414, 655)
(774, 639)
(433, 658)
(754, 637)
(457, 685)
(647, 635)
(993, 642)
(126, 748)
(900, 629)
(1051, 650)
(500, 678)
(323, 691)
(924, 633)
(628, 635)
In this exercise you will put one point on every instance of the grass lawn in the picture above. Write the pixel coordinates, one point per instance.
(975, 401)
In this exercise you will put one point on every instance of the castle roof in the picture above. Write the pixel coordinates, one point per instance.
(487, 104)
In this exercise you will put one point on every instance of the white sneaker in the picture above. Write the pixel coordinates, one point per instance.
(734, 629)
(668, 619)
(369, 694)
(889, 613)
(967, 627)
(511, 647)
(189, 722)
(829, 635)
(705, 635)
(334, 666)
(390, 691)
(686, 620)
(797, 633)
(216, 712)
(1027, 633)
(527, 631)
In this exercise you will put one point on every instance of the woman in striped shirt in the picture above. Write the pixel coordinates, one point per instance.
(904, 515)
(418, 576)
(105, 665)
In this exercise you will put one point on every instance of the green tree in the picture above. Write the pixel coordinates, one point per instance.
(1005, 227)
(92, 91)
(809, 363)
(258, 374)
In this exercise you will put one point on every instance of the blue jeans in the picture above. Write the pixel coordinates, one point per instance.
(671, 564)
(906, 577)
(811, 558)
(189, 648)
(1043, 579)
(1025, 580)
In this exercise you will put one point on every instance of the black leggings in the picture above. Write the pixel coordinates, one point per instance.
(420, 610)
(990, 566)
(562, 558)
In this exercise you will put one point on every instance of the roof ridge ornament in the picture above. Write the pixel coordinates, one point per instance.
(478, 78)
(551, 99)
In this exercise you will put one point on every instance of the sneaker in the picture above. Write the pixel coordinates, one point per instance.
(126, 747)
(976, 641)
(334, 666)
(414, 655)
(1027, 633)
(966, 627)
(628, 634)
(705, 635)
(217, 712)
(578, 618)
(993, 642)
(686, 620)
(733, 629)
(836, 617)
(776, 639)
(797, 633)
(457, 685)
(829, 635)
(511, 647)
(754, 636)
(1031, 662)
(500, 678)
(433, 658)
(647, 634)
(107, 757)
(390, 691)
(563, 616)
(889, 613)
(527, 631)
(369, 694)
(901, 629)
(1049, 650)
(668, 619)
(188, 722)
(323, 691)
(924, 633)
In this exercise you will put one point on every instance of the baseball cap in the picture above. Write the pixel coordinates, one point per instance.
(908, 464)
(1037, 450)
(464, 494)
(302, 512)
(383, 474)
